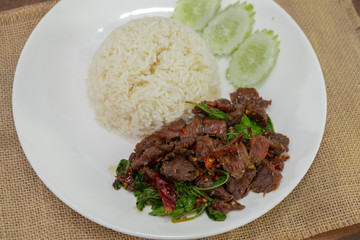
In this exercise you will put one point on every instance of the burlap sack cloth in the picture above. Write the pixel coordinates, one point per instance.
(327, 198)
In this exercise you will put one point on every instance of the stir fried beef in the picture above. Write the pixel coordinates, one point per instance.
(279, 143)
(171, 131)
(146, 143)
(235, 116)
(278, 161)
(267, 179)
(225, 207)
(222, 104)
(234, 158)
(255, 106)
(198, 151)
(204, 147)
(219, 192)
(191, 132)
(215, 128)
(259, 146)
(179, 170)
(240, 188)
(149, 155)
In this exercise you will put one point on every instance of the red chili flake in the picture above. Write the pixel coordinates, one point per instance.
(284, 157)
(128, 176)
(232, 167)
(217, 165)
(232, 149)
(198, 202)
(208, 162)
(275, 164)
(183, 130)
(157, 160)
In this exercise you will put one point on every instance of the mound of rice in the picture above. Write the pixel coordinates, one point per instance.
(142, 74)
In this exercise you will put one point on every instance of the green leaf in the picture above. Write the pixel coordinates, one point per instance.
(182, 217)
(158, 210)
(213, 113)
(124, 165)
(222, 179)
(215, 214)
(178, 211)
(246, 124)
(200, 193)
(186, 198)
(148, 196)
(185, 202)
(269, 127)
(230, 136)
(138, 180)
(117, 184)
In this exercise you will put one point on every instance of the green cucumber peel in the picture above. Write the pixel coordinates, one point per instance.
(254, 59)
(229, 28)
(196, 14)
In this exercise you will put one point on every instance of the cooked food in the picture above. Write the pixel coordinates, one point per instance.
(145, 70)
(229, 148)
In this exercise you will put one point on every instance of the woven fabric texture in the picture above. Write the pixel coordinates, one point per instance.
(327, 198)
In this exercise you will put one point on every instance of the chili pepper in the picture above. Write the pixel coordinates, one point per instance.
(167, 192)
(183, 130)
(128, 176)
(232, 149)
(157, 160)
(217, 165)
(284, 157)
(208, 162)
(275, 164)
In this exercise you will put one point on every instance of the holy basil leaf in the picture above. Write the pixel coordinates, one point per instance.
(158, 210)
(231, 135)
(223, 178)
(215, 215)
(117, 184)
(123, 165)
(186, 198)
(148, 196)
(269, 127)
(183, 217)
(213, 113)
(186, 202)
(137, 178)
(246, 124)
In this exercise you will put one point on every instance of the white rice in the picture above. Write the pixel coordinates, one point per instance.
(142, 74)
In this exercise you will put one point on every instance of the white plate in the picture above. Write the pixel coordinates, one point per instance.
(75, 157)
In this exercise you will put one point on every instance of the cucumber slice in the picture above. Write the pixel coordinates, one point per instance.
(196, 13)
(254, 59)
(229, 28)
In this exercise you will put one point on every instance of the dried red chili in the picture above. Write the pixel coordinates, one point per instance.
(167, 192)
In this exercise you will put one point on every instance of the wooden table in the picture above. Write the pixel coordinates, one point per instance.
(347, 233)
